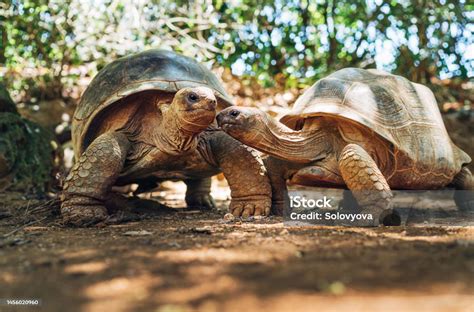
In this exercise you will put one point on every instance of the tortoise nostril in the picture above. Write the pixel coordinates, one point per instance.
(234, 113)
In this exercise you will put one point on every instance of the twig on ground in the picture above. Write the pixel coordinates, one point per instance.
(23, 226)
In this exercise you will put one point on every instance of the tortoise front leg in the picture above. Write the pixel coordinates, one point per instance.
(368, 185)
(244, 170)
(198, 194)
(86, 187)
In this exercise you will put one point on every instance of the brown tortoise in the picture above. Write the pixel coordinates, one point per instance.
(364, 129)
(152, 114)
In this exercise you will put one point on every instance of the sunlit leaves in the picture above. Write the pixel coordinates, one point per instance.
(299, 40)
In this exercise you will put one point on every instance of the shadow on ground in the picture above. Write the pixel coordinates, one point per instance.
(190, 260)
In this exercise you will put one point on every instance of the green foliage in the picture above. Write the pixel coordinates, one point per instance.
(44, 42)
(26, 155)
(36, 36)
(304, 40)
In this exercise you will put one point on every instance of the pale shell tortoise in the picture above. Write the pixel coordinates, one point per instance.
(152, 114)
(366, 130)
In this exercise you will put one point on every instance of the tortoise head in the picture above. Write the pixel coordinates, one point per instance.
(192, 109)
(256, 129)
(242, 123)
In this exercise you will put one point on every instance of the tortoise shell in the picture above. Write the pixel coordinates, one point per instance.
(150, 70)
(402, 112)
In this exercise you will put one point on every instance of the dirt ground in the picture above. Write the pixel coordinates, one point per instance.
(180, 260)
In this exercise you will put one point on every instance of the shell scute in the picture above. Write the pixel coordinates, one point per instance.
(404, 113)
(149, 70)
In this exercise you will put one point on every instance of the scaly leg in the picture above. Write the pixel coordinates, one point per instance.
(367, 183)
(244, 170)
(87, 186)
(464, 194)
(198, 194)
(276, 172)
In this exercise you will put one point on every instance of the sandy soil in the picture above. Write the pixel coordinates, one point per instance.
(177, 260)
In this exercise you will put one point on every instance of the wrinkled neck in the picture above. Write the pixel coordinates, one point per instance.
(302, 146)
(174, 136)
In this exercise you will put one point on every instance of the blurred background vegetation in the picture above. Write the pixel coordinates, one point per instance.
(49, 47)
(266, 52)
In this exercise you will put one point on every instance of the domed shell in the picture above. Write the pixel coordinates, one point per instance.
(404, 113)
(150, 70)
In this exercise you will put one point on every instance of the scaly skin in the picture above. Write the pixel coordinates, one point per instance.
(308, 154)
(88, 184)
(246, 174)
(383, 114)
(364, 179)
(198, 194)
(277, 173)
(180, 146)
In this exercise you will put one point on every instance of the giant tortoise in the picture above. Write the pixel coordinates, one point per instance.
(153, 114)
(366, 130)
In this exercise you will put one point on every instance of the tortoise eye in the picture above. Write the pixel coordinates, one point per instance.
(193, 97)
(234, 113)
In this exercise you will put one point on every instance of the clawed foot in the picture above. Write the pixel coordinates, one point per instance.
(250, 207)
(83, 212)
(83, 216)
(201, 201)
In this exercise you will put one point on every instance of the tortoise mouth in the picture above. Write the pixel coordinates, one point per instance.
(229, 125)
(198, 109)
(199, 116)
